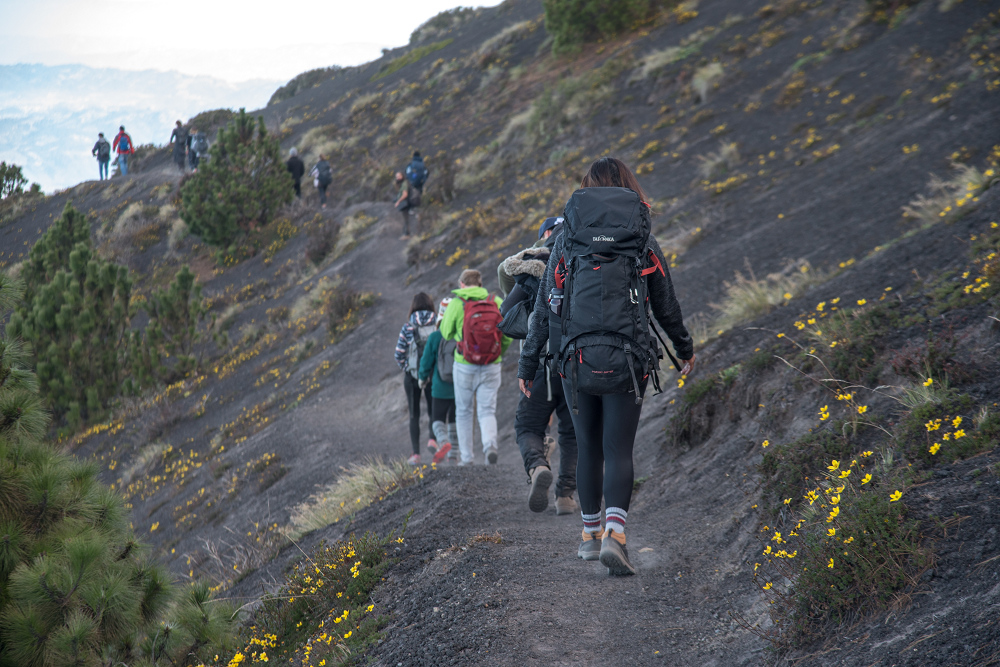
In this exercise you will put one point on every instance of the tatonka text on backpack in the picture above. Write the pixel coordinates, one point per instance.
(607, 343)
(481, 335)
(416, 349)
(446, 360)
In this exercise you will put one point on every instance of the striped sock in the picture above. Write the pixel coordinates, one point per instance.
(591, 522)
(615, 518)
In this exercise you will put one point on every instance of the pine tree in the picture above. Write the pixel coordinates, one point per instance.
(165, 351)
(76, 587)
(12, 181)
(77, 320)
(572, 22)
(240, 187)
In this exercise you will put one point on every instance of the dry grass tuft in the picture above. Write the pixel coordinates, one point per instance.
(952, 198)
(358, 486)
(704, 78)
(720, 162)
(749, 297)
(407, 117)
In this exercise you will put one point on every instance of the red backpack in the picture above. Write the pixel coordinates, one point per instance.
(481, 335)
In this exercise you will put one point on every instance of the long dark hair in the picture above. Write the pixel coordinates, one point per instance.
(610, 172)
(422, 301)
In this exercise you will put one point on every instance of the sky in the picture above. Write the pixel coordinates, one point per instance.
(227, 39)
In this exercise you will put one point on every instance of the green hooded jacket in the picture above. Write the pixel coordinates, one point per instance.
(454, 317)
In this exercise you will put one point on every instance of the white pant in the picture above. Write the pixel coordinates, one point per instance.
(483, 384)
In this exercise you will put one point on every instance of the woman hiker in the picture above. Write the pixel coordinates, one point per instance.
(605, 219)
(409, 348)
(438, 358)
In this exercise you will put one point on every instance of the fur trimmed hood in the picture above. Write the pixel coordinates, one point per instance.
(529, 260)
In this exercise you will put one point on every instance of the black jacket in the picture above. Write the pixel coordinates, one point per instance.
(296, 167)
(662, 300)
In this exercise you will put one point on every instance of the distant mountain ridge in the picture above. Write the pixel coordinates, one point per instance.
(50, 115)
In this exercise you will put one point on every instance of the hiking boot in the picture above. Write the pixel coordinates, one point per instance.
(590, 547)
(414, 460)
(442, 451)
(614, 556)
(538, 497)
(491, 455)
(565, 505)
(432, 446)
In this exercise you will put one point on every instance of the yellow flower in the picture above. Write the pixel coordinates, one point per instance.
(834, 465)
(831, 531)
(928, 382)
(848, 540)
(867, 453)
(844, 473)
(862, 409)
(767, 586)
(835, 499)
(767, 549)
(349, 633)
(956, 422)
(788, 501)
(895, 496)
(765, 443)
(820, 306)
(867, 478)
(680, 383)
(830, 564)
(862, 302)
(960, 433)
(833, 514)
(934, 448)
(263, 657)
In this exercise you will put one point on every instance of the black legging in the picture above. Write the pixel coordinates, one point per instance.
(605, 434)
(413, 391)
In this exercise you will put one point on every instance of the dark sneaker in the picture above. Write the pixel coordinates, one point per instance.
(614, 556)
(590, 547)
(491, 455)
(538, 497)
(565, 505)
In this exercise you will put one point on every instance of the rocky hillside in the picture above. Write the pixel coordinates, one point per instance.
(823, 176)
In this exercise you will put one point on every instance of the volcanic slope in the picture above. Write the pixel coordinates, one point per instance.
(836, 122)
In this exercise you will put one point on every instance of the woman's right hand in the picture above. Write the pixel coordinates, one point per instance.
(525, 386)
(688, 365)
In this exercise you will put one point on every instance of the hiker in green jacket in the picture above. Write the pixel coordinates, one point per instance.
(436, 367)
(477, 361)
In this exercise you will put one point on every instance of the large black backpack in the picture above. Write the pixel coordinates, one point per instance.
(607, 342)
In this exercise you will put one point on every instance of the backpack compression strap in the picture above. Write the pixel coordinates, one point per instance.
(655, 267)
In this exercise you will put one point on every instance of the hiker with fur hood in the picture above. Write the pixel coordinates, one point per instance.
(524, 271)
(409, 348)
(437, 365)
(603, 343)
(471, 320)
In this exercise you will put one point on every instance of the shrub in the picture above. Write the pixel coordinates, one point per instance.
(573, 22)
(166, 350)
(407, 117)
(496, 48)
(302, 82)
(952, 198)
(410, 57)
(749, 297)
(12, 181)
(76, 588)
(240, 187)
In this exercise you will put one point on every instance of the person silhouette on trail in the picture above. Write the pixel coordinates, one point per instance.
(197, 148)
(102, 150)
(437, 366)
(403, 202)
(605, 351)
(296, 168)
(416, 174)
(179, 138)
(322, 178)
(413, 337)
(124, 146)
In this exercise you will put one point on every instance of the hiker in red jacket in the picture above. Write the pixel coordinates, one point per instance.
(124, 146)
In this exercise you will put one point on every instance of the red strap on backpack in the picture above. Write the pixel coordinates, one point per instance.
(657, 266)
(560, 273)
(482, 340)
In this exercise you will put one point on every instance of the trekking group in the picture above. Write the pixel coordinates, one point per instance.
(583, 300)
(122, 145)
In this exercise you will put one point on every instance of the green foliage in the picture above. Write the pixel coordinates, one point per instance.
(790, 469)
(948, 424)
(240, 187)
(573, 22)
(166, 353)
(76, 588)
(12, 181)
(410, 57)
(77, 320)
(323, 604)
(302, 82)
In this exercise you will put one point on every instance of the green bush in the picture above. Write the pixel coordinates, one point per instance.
(240, 187)
(12, 181)
(77, 321)
(166, 352)
(76, 588)
(573, 22)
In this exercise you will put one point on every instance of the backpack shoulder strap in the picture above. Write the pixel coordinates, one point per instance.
(655, 265)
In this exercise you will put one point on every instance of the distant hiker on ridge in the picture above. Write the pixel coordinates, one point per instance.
(124, 146)
(102, 149)
(472, 321)
(606, 350)
(437, 364)
(520, 276)
(179, 138)
(409, 348)
(403, 203)
(296, 168)
(322, 178)
(197, 148)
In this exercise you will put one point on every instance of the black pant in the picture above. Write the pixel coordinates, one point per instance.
(605, 428)
(193, 159)
(405, 212)
(530, 422)
(413, 392)
(322, 193)
(298, 187)
(444, 410)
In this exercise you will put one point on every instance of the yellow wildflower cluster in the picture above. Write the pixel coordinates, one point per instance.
(953, 435)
